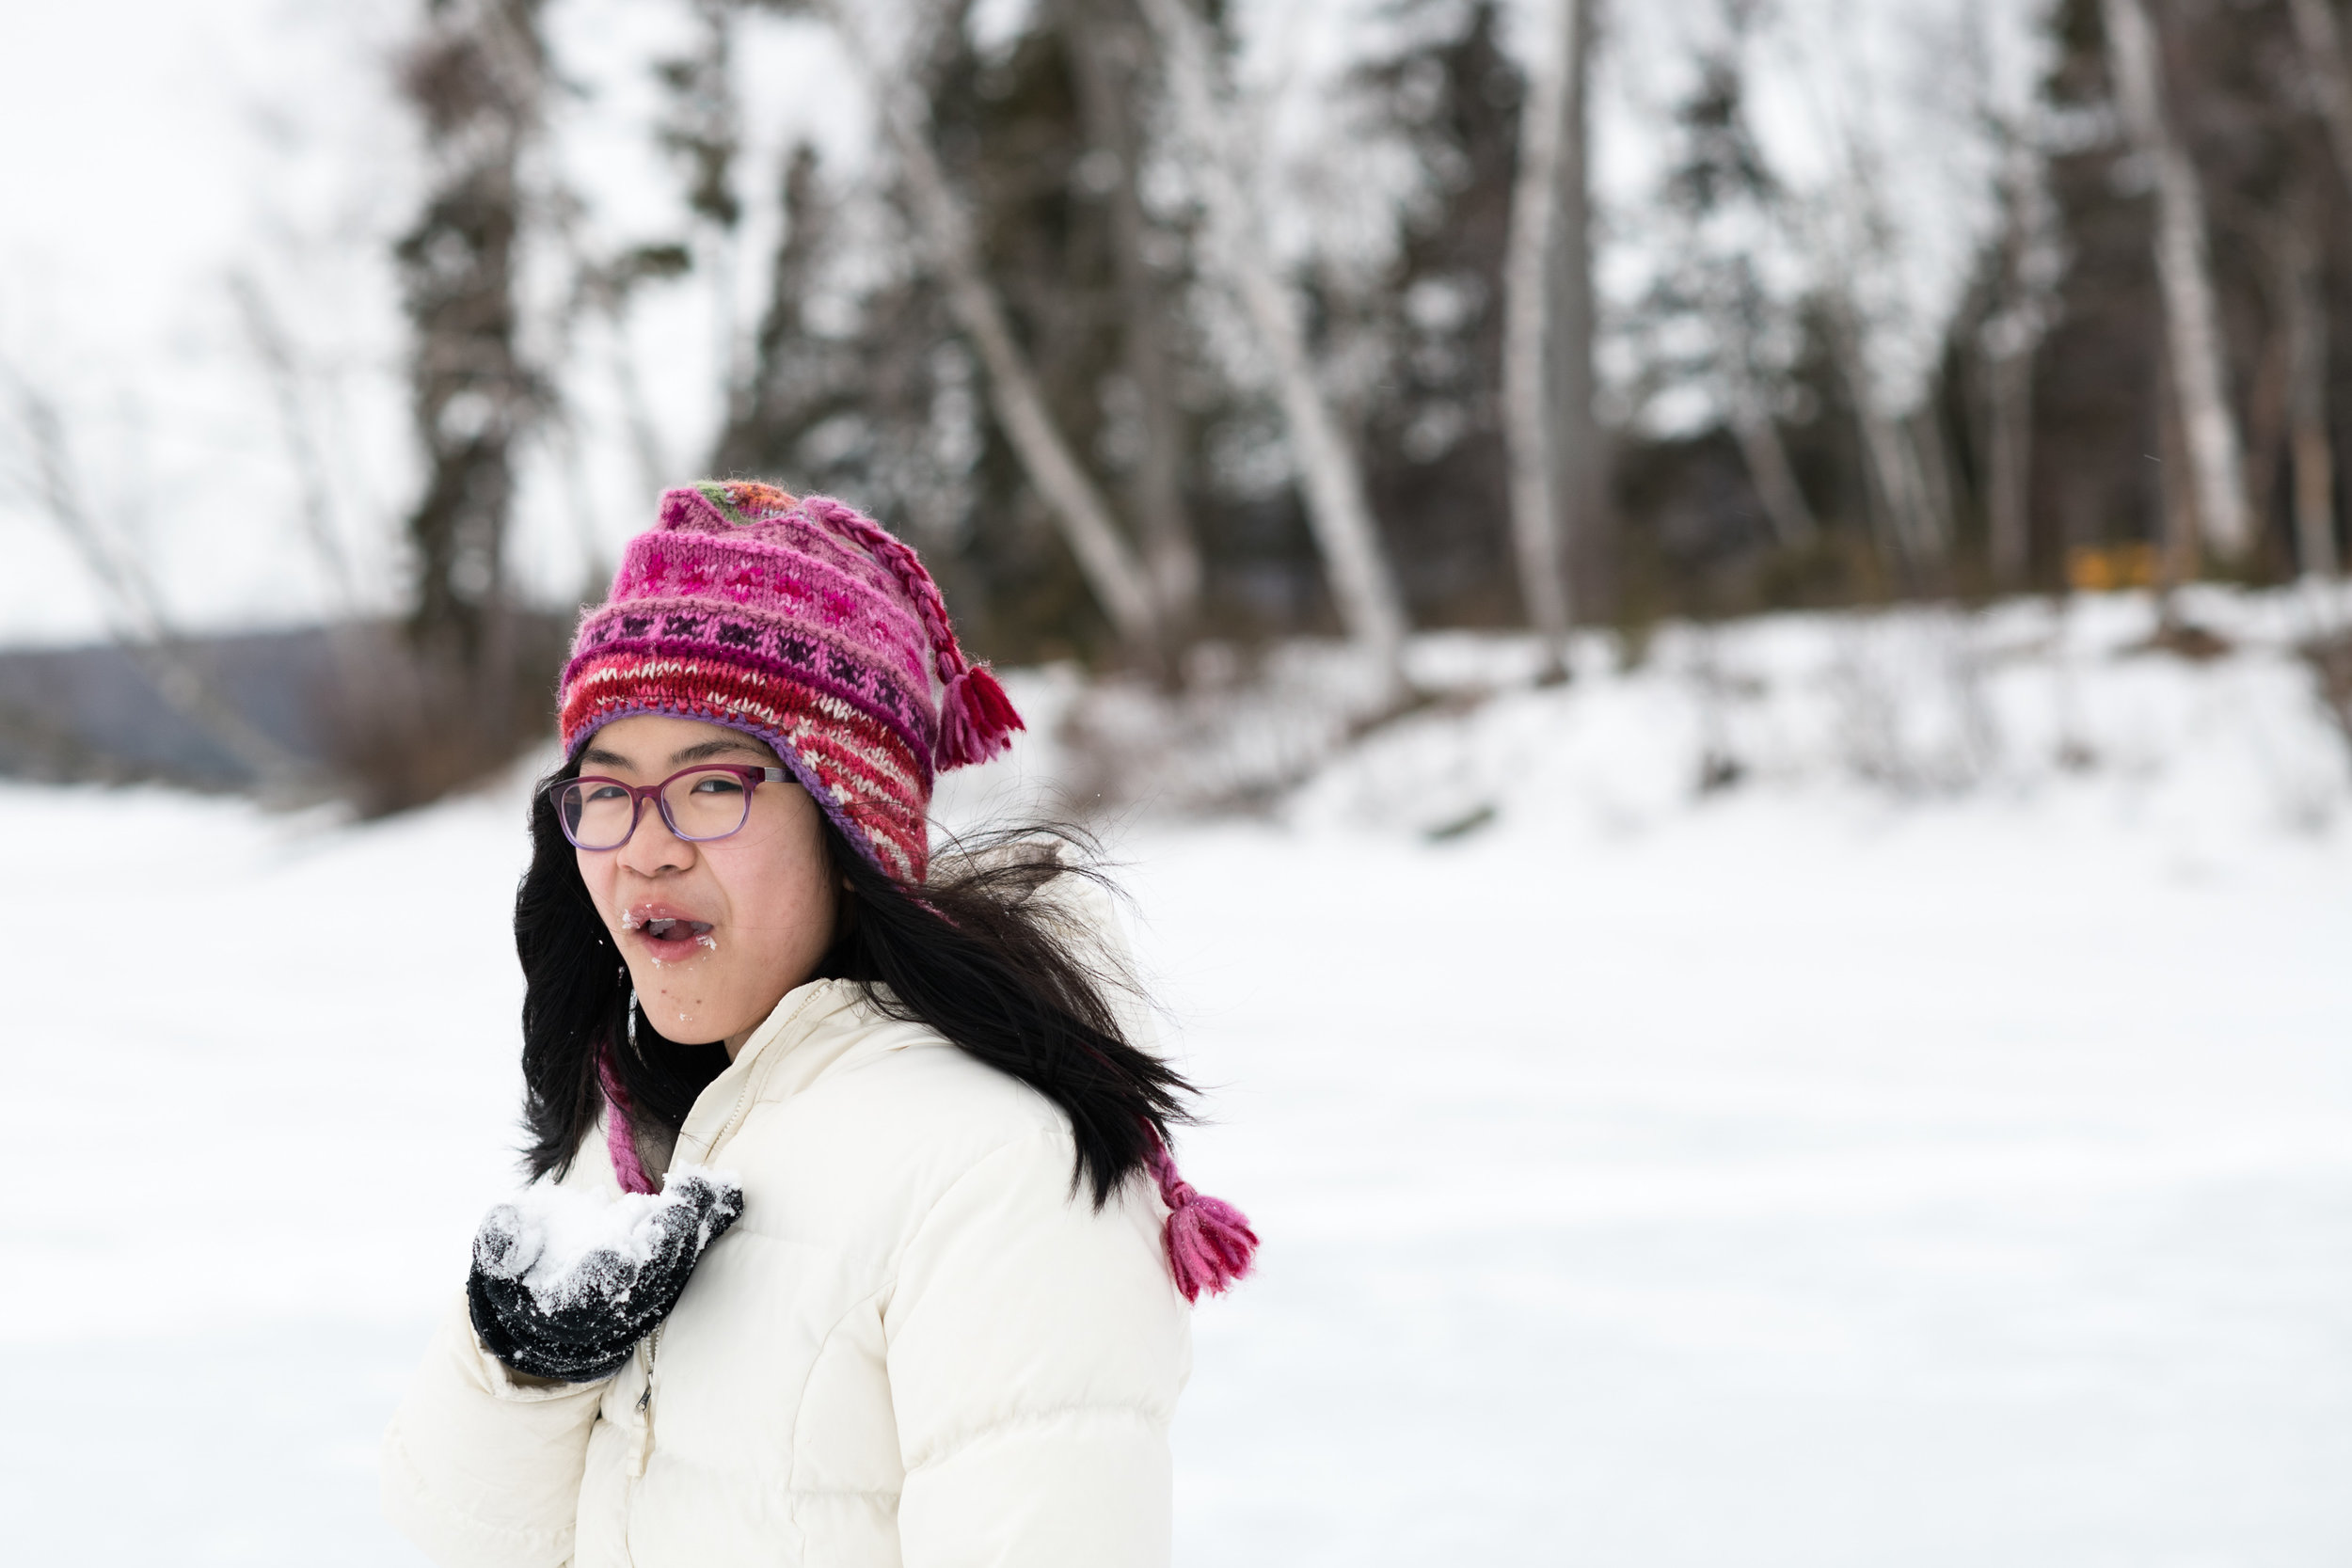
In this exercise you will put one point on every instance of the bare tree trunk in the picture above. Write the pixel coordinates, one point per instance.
(1584, 540)
(275, 350)
(2009, 466)
(1768, 469)
(1849, 233)
(1534, 401)
(1901, 505)
(1106, 55)
(144, 627)
(2316, 29)
(1111, 571)
(1929, 446)
(2185, 275)
(1337, 511)
(2267, 394)
(2307, 406)
(1903, 485)
(2009, 341)
(2178, 557)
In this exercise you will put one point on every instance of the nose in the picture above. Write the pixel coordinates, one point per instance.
(652, 849)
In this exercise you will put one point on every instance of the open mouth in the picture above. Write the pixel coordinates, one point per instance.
(669, 934)
(668, 929)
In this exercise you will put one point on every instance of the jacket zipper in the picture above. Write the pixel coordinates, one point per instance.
(653, 1342)
(642, 1448)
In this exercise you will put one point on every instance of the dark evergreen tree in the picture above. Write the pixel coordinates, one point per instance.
(473, 80)
(1432, 439)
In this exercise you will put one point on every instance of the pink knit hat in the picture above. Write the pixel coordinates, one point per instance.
(802, 622)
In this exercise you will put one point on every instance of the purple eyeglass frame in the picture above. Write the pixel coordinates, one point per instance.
(639, 793)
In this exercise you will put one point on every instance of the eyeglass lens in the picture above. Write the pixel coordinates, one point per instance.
(704, 805)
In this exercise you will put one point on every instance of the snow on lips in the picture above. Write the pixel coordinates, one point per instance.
(676, 931)
(661, 927)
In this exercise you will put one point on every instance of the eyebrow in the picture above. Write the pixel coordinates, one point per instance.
(696, 753)
(711, 748)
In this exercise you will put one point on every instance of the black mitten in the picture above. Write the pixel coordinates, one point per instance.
(563, 1287)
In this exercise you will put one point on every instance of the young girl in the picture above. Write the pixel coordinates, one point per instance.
(855, 1239)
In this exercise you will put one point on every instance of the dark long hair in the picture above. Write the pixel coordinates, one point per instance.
(971, 952)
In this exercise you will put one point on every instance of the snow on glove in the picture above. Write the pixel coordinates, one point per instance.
(564, 1284)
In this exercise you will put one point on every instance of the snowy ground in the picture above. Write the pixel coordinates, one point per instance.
(1922, 1153)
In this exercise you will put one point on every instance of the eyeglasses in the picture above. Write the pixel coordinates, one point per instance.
(698, 805)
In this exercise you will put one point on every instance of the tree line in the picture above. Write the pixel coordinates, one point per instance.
(1048, 330)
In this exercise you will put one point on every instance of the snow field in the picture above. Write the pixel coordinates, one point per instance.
(1948, 1164)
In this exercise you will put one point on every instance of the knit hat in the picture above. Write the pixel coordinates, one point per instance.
(802, 622)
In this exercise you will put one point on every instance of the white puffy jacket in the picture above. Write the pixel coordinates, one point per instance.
(916, 1346)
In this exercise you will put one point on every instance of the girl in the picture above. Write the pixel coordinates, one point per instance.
(855, 1239)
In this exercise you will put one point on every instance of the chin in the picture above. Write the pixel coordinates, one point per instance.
(673, 1020)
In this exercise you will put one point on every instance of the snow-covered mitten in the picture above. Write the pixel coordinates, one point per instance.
(564, 1284)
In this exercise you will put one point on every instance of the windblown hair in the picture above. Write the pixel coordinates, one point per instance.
(971, 952)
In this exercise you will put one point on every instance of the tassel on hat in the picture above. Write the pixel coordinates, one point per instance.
(976, 717)
(1209, 1242)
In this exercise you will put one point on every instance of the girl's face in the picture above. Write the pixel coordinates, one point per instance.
(714, 932)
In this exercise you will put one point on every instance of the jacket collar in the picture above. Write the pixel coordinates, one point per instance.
(806, 1033)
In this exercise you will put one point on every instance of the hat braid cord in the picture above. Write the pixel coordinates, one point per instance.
(976, 717)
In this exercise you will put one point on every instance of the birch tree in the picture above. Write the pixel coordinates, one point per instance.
(2030, 261)
(1106, 68)
(1583, 488)
(1337, 511)
(1113, 575)
(1765, 458)
(1546, 326)
(2185, 278)
(1903, 502)
(1727, 198)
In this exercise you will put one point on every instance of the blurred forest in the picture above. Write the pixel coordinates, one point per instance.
(1146, 405)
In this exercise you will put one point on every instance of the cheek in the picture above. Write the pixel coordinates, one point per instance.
(597, 873)
(778, 892)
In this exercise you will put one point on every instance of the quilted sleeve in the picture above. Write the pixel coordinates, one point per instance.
(1036, 1348)
(479, 1469)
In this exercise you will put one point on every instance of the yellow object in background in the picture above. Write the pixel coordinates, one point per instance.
(2103, 568)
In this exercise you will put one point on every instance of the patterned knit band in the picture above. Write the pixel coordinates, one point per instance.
(802, 622)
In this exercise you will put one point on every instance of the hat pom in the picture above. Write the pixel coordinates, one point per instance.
(975, 719)
(1209, 1242)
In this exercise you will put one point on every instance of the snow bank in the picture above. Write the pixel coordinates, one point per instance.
(1835, 1090)
(2036, 705)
